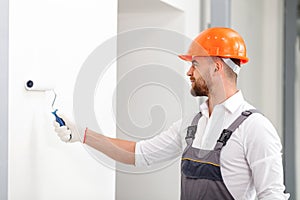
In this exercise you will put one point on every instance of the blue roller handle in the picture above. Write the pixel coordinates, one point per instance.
(58, 119)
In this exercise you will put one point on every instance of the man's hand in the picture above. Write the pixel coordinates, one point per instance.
(70, 132)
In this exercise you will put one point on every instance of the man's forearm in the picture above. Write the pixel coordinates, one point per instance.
(119, 150)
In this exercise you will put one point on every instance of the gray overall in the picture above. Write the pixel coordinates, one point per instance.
(201, 176)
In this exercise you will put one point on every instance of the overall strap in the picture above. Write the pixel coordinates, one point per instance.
(226, 133)
(191, 131)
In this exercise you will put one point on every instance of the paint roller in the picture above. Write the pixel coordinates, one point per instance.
(31, 85)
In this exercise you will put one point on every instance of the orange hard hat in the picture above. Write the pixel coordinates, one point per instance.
(218, 41)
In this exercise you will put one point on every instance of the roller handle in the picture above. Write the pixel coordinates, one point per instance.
(58, 119)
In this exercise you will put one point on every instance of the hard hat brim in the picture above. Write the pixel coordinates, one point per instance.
(185, 57)
(190, 58)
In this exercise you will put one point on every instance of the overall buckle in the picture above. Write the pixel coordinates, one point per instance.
(247, 113)
(191, 131)
(225, 136)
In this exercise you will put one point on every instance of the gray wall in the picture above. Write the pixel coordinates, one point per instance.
(261, 78)
(297, 122)
(4, 99)
(152, 103)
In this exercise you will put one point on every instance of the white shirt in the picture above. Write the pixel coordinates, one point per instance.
(251, 163)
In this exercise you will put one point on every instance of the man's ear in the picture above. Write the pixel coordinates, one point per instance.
(218, 65)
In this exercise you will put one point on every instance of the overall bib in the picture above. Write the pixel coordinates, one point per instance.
(201, 176)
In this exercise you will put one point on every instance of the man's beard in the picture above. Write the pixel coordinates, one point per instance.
(199, 88)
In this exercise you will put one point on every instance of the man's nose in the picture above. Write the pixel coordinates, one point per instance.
(190, 71)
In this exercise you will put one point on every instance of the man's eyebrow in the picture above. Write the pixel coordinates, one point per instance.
(195, 63)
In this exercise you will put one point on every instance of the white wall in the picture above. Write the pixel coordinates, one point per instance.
(50, 39)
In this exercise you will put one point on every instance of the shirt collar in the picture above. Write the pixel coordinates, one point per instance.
(231, 104)
(234, 102)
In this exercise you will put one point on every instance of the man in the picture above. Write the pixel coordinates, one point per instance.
(229, 151)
